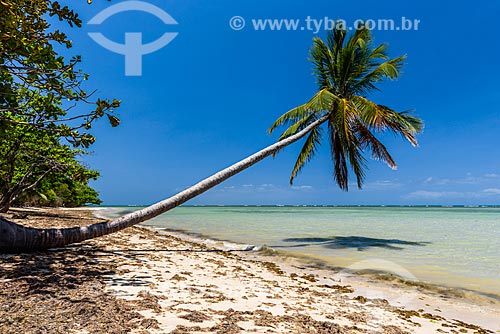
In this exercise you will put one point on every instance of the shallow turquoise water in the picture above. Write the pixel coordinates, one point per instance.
(457, 247)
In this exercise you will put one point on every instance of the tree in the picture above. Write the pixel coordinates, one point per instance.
(33, 161)
(42, 100)
(37, 184)
(38, 87)
(68, 189)
(346, 70)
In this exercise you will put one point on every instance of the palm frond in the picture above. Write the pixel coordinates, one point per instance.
(358, 164)
(340, 170)
(321, 102)
(381, 118)
(404, 124)
(388, 69)
(335, 39)
(307, 152)
(379, 52)
(324, 69)
(368, 141)
(360, 39)
(351, 151)
(298, 126)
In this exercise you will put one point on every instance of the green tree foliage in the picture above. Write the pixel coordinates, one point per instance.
(45, 114)
(59, 190)
(37, 169)
(346, 70)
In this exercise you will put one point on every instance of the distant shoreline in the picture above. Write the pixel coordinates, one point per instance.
(309, 206)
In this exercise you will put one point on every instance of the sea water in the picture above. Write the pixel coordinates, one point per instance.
(456, 247)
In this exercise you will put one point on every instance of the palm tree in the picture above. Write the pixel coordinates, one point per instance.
(346, 69)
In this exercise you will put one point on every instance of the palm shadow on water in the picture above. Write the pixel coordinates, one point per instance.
(360, 243)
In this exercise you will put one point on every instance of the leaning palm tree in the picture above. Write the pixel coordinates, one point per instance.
(347, 69)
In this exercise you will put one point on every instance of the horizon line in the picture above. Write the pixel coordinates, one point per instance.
(315, 205)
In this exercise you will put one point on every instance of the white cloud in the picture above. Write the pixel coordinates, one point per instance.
(468, 179)
(263, 188)
(437, 181)
(383, 185)
(266, 186)
(302, 187)
(493, 191)
(423, 194)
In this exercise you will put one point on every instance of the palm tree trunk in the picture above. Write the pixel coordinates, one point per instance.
(16, 238)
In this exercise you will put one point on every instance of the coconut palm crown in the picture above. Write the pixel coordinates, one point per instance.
(347, 69)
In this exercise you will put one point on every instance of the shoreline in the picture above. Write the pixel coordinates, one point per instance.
(418, 295)
(462, 265)
(177, 285)
(376, 285)
(313, 263)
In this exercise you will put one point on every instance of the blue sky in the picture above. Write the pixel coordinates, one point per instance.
(206, 100)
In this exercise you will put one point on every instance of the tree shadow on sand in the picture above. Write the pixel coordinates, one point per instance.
(64, 291)
(360, 243)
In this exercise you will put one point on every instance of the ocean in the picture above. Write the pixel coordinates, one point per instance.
(456, 247)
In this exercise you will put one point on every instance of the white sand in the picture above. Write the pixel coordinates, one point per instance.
(187, 287)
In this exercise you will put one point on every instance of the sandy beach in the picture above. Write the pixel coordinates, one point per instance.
(142, 280)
